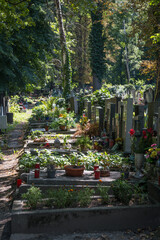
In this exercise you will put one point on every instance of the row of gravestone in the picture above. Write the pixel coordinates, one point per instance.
(117, 117)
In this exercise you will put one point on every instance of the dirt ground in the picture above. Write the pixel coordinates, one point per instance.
(8, 177)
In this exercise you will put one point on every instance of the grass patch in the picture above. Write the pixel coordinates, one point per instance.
(21, 117)
(17, 119)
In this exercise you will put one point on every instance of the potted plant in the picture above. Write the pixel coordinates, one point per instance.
(152, 157)
(62, 123)
(104, 161)
(84, 143)
(75, 169)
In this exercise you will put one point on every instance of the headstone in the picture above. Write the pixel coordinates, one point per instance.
(75, 105)
(120, 119)
(149, 95)
(3, 122)
(112, 119)
(72, 104)
(129, 116)
(150, 114)
(158, 128)
(89, 110)
(10, 118)
(139, 119)
(101, 120)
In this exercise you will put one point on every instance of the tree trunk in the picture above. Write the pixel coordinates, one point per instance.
(66, 69)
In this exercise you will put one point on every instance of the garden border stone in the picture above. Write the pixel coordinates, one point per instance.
(83, 220)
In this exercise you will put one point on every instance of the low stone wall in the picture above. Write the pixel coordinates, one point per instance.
(83, 219)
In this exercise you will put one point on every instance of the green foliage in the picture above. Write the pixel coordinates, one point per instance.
(62, 197)
(33, 197)
(36, 134)
(25, 52)
(39, 112)
(99, 96)
(44, 157)
(103, 192)
(84, 196)
(96, 47)
(84, 143)
(122, 190)
(14, 106)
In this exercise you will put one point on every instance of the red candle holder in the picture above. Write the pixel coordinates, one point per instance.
(37, 170)
(37, 165)
(97, 174)
(19, 182)
(96, 167)
(111, 143)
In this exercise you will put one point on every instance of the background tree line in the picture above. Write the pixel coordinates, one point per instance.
(102, 42)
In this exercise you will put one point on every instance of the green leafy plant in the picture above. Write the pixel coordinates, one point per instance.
(36, 134)
(14, 106)
(62, 197)
(103, 192)
(84, 143)
(33, 197)
(122, 190)
(84, 196)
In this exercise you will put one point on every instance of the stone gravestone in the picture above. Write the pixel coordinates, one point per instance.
(101, 120)
(158, 128)
(120, 119)
(149, 95)
(75, 105)
(112, 120)
(72, 104)
(3, 122)
(139, 119)
(128, 125)
(89, 110)
(150, 114)
(93, 114)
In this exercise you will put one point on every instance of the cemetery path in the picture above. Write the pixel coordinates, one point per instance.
(8, 176)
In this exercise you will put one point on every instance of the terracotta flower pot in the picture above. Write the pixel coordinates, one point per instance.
(62, 127)
(74, 171)
(104, 173)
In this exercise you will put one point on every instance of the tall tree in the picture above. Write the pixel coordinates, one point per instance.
(96, 47)
(66, 69)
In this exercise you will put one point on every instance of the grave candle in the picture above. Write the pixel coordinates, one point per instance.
(97, 174)
(19, 182)
(96, 167)
(37, 170)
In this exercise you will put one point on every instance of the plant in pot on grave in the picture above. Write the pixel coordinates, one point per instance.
(152, 157)
(76, 168)
(62, 123)
(84, 143)
(51, 169)
(104, 161)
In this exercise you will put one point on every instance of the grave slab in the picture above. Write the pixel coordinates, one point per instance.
(62, 179)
